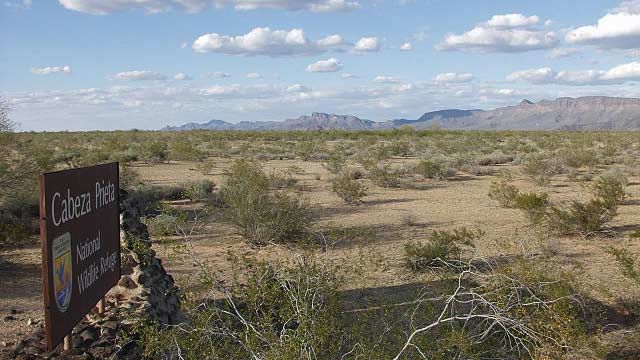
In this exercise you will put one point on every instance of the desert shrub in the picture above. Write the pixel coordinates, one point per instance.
(495, 159)
(348, 189)
(282, 180)
(261, 217)
(533, 204)
(154, 152)
(206, 166)
(434, 170)
(399, 148)
(383, 175)
(307, 149)
(167, 223)
(627, 262)
(610, 188)
(275, 313)
(442, 246)
(335, 162)
(185, 150)
(198, 190)
(504, 193)
(580, 218)
(540, 168)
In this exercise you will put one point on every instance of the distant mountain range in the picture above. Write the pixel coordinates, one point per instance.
(583, 113)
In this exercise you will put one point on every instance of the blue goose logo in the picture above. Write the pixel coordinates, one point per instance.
(62, 271)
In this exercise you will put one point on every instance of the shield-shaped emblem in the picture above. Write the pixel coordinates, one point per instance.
(62, 272)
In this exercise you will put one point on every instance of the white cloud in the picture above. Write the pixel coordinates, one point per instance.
(104, 7)
(406, 47)
(347, 76)
(503, 33)
(139, 75)
(330, 65)
(386, 79)
(512, 21)
(297, 88)
(620, 29)
(562, 53)
(253, 75)
(267, 42)
(630, 71)
(51, 70)
(617, 75)
(367, 44)
(181, 76)
(331, 40)
(453, 77)
(536, 76)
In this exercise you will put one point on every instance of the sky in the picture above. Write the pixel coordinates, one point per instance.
(124, 64)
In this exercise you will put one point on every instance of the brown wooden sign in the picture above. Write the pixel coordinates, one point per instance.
(80, 238)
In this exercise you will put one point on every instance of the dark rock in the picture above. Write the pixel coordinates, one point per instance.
(9, 318)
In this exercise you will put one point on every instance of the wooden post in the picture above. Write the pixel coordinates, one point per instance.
(101, 306)
(67, 343)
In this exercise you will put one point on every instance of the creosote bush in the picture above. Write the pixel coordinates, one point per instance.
(261, 216)
(504, 193)
(541, 167)
(385, 176)
(348, 188)
(585, 218)
(443, 246)
(434, 170)
(610, 188)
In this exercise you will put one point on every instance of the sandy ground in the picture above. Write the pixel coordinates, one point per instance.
(381, 218)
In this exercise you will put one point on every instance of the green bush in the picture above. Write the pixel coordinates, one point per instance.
(198, 190)
(348, 188)
(385, 176)
(540, 168)
(335, 162)
(580, 218)
(154, 152)
(185, 150)
(610, 188)
(261, 217)
(533, 204)
(442, 246)
(504, 193)
(434, 170)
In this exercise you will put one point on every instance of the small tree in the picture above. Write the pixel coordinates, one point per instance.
(6, 125)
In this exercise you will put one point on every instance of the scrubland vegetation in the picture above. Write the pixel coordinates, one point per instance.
(296, 282)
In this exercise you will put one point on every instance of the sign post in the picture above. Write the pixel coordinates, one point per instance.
(80, 240)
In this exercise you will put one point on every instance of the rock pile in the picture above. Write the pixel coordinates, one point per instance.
(145, 292)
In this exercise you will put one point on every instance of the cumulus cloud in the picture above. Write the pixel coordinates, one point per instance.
(51, 70)
(512, 20)
(452, 77)
(104, 7)
(347, 76)
(406, 47)
(253, 75)
(266, 42)
(330, 65)
(331, 41)
(536, 76)
(139, 75)
(366, 44)
(618, 29)
(617, 75)
(386, 79)
(181, 76)
(502, 33)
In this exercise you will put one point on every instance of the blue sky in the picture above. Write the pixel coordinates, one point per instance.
(121, 64)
